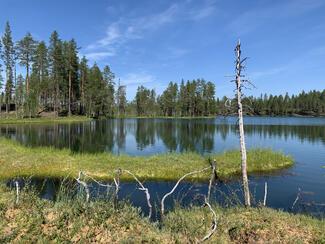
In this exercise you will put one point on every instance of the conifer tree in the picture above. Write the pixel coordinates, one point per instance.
(8, 58)
(56, 62)
(25, 52)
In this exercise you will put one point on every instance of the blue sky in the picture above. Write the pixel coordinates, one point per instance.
(153, 42)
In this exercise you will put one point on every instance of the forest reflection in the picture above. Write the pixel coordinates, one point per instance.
(180, 135)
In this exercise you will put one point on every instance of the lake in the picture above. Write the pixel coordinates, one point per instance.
(303, 138)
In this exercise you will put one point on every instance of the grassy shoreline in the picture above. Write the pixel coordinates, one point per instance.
(71, 119)
(72, 220)
(17, 160)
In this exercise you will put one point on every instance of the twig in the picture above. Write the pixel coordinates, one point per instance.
(142, 188)
(117, 182)
(174, 188)
(214, 222)
(212, 179)
(17, 191)
(297, 198)
(84, 184)
(265, 194)
(97, 182)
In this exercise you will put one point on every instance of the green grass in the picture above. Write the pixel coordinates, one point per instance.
(18, 160)
(34, 220)
(71, 119)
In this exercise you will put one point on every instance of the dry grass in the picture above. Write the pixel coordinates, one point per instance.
(36, 220)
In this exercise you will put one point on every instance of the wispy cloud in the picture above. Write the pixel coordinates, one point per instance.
(126, 29)
(136, 79)
(95, 56)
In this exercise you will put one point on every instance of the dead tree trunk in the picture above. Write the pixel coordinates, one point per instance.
(241, 125)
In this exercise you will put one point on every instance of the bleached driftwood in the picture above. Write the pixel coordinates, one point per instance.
(175, 186)
(84, 184)
(212, 179)
(214, 222)
(297, 198)
(97, 182)
(142, 188)
(17, 191)
(265, 194)
(117, 182)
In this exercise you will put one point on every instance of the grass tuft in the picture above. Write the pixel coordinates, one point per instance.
(17, 160)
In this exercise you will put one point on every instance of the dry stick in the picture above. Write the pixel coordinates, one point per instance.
(84, 184)
(117, 183)
(297, 198)
(142, 188)
(213, 174)
(265, 194)
(99, 183)
(17, 191)
(214, 222)
(108, 186)
(174, 188)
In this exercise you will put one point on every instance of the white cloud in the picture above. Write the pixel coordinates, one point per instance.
(126, 29)
(99, 55)
(136, 79)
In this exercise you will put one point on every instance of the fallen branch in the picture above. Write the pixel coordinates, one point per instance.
(142, 188)
(214, 222)
(117, 182)
(97, 182)
(174, 188)
(297, 198)
(212, 179)
(84, 184)
(17, 191)
(265, 194)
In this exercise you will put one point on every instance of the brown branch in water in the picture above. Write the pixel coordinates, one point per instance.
(84, 184)
(214, 222)
(142, 188)
(177, 183)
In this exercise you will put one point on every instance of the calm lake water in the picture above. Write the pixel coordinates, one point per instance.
(303, 138)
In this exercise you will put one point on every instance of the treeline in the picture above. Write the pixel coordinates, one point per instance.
(305, 103)
(55, 79)
(191, 98)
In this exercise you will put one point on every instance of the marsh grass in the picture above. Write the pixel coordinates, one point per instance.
(20, 161)
(45, 120)
(72, 220)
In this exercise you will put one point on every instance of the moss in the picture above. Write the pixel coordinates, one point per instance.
(18, 160)
(37, 220)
